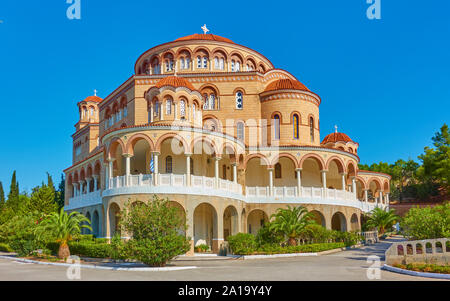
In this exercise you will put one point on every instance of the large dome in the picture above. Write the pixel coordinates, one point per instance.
(286, 84)
(209, 37)
(336, 137)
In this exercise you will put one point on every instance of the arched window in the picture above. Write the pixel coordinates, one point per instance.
(125, 112)
(169, 106)
(239, 100)
(199, 62)
(278, 171)
(168, 164)
(295, 126)
(311, 128)
(276, 127)
(155, 66)
(205, 62)
(182, 62)
(216, 63)
(182, 108)
(92, 111)
(193, 111)
(212, 101)
(240, 131)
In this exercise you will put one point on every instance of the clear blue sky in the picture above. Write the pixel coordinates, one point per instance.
(386, 83)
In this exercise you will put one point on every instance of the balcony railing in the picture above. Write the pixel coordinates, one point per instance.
(305, 192)
(174, 180)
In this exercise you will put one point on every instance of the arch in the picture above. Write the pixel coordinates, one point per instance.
(351, 169)
(339, 162)
(206, 141)
(171, 136)
(354, 222)
(230, 221)
(136, 138)
(263, 158)
(114, 219)
(386, 187)
(228, 149)
(183, 49)
(256, 220)
(96, 224)
(200, 49)
(285, 155)
(85, 230)
(205, 225)
(115, 143)
(319, 218)
(338, 222)
(317, 158)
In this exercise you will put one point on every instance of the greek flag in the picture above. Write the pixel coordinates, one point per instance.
(152, 165)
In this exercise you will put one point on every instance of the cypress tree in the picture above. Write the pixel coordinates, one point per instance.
(2, 194)
(13, 196)
(61, 192)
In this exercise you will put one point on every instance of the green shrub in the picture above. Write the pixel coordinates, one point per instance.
(242, 243)
(157, 252)
(89, 249)
(267, 236)
(5, 248)
(118, 248)
(427, 223)
(101, 240)
(202, 248)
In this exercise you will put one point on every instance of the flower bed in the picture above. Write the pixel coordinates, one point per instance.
(426, 268)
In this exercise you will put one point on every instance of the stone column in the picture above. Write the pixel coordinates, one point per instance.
(270, 169)
(354, 185)
(218, 239)
(381, 197)
(234, 172)
(95, 182)
(155, 165)
(216, 170)
(343, 175)
(127, 168)
(299, 181)
(366, 196)
(324, 182)
(387, 198)
(88, 185)
(324, 178)
(190, 229)
(188, 169)
(75, 188)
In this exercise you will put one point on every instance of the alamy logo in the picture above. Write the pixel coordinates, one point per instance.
(74, 271)
(374, 271)
(74, 11)
(374, 10)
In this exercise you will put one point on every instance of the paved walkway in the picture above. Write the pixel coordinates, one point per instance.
(346, 265)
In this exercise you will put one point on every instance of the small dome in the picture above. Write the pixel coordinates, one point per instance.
(286, 84)
(209, 37)
(336, 137)
(93, 99)
(174, 81)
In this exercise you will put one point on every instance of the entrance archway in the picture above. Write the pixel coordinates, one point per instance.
(230, 222)
(338, 222)
(319, 218)
(205, 225)
(354, 223)
(95, 224)
(256, 220)
(114, 219)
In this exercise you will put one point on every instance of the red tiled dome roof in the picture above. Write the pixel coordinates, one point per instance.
(210, 37)
(335, 137)
(174, 81)
(93, 98)
(286, 84)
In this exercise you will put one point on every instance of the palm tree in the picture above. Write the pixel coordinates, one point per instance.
(62, 227)
(382, 219)
(291, 222)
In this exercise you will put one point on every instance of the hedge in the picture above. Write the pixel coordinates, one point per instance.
(5, 248)
(85, 249)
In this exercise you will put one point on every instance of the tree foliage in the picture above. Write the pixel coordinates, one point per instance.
(427, 223)
(156, 229)
(382, 219)
(411, 180)
(291, 222)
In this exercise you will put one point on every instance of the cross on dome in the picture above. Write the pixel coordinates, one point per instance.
(205, 29)
(95, 92)
(336, 128)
